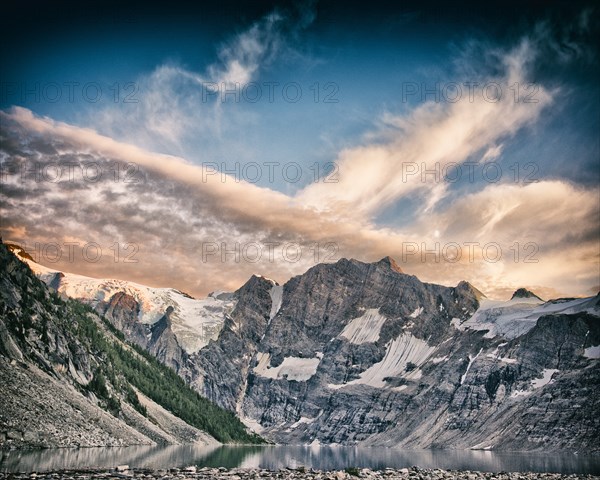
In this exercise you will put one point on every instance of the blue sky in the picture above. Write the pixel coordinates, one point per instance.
(353, 64)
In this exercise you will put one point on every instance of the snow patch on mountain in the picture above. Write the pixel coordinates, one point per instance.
(471, 360)
(399, 353)
(537, 383)
(455, 322)
(276, 294)
(546, 378)
(364, 329)
(517, 316)
(294, 368)
(303, 420)
(439, 359)
(592, 352)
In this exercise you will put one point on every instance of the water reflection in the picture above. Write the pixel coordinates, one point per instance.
(275, 457)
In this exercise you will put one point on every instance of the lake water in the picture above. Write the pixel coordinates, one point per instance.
(276, 457)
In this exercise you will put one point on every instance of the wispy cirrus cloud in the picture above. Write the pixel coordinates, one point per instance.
(434, 135)
(176, 106)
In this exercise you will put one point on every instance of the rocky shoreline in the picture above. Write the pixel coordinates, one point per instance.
(206, 473)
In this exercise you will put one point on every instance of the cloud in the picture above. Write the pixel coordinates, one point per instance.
(548, 233)
(433, 136)
(175, 209)
(240, 59)
(175, 106)
(492, 153)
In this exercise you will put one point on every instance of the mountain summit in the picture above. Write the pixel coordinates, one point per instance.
(19, 251)
(524, 293)
(390, 263)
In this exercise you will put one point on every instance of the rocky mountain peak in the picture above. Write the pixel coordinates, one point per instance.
(19, 251)
(257, 282)
(524, 293)
(390, 263)
(464, 286)
(164, 323)
(340, 353)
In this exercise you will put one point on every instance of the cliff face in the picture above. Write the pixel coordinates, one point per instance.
(357, 353)
(362, 353)
(123, 311)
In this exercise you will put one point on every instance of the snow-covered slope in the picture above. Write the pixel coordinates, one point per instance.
(365, 328)
(292, 368)
(193, 321)
(402, 358)
(517, 316)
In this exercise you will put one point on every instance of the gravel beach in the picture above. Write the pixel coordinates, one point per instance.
(413, 473)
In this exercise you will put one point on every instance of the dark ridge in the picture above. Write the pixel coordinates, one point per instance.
(524, 293)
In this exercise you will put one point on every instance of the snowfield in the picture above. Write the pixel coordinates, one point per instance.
(364, 329)
(294, 368)
(404, 349)
(516, 317)
(194, 321)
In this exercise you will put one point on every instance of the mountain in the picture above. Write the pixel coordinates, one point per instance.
(69, 378)
(524, 293)
(363, 353)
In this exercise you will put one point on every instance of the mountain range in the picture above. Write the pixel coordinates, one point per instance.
(358, 353)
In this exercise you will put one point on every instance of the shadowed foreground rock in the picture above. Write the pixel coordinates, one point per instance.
(413, 473)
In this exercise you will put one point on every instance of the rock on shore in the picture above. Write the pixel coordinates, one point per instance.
(413, 473)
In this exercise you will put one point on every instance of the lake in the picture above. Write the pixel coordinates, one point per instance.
(276, 457)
